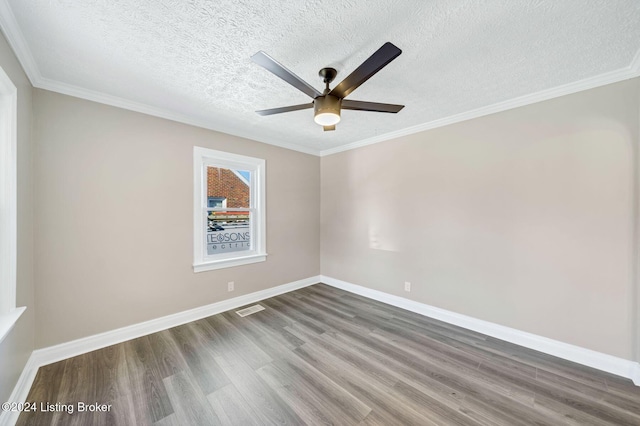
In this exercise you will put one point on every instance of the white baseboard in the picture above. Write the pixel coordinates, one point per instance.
(40, 357)
(51, 354)
(635, 374)
(598, 360)
(87, 344)
(20, 391)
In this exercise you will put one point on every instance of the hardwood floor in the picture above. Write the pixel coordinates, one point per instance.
(320, 355)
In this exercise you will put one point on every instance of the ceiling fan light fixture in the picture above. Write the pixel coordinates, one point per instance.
(326, 110)
(327, 118)
(327, 105)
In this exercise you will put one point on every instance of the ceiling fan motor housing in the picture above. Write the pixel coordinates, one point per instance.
(327, 110)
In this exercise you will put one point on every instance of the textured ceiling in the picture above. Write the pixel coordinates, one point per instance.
(190, 60)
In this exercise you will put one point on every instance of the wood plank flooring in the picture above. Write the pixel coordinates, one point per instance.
(320, 355)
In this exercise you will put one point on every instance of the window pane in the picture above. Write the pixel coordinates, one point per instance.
(216, 202)
(227, 232)
(228, 188)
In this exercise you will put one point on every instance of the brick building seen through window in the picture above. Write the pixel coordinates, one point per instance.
(227, 188)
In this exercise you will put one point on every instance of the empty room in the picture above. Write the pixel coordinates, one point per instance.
(319, 212)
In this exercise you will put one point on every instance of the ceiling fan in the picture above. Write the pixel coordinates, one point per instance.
(327, 105)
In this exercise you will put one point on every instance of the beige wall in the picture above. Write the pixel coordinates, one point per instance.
(114, 218)
(17, 346)
(523, 218)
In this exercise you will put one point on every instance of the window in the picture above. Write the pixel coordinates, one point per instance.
(216, 202)
(229, 216)
(9, 314)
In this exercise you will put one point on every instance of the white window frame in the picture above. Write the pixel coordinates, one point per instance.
(9, 313)
(203, 158)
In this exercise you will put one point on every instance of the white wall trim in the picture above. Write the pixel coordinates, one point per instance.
(589, 83)
(20, 391)
(40, 357)
(8, 320)
(612, 77)
(51, 354)
(22, 51)
(635, 63)
(18, 43)
(9, 313)
(20, 47)
(635, 374)
(635, 272)
(91, 343)
(102, 98)
(590, 358)
(8, 193)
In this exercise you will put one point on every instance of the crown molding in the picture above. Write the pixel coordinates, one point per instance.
(631, 71)
(635, 64)
(14, 36)
(99, 97)
(16, 40)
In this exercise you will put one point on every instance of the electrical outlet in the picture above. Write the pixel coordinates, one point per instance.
(407, 286)
(230, 286)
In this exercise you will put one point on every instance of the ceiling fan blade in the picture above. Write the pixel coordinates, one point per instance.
(370, 106)
(387, 53)
(284, 109)
(329, 128)
(270, 64)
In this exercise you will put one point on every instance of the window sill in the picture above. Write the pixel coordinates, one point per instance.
(228, 263)
(7, 321)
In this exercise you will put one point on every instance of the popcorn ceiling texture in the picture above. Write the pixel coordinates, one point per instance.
(192, 57)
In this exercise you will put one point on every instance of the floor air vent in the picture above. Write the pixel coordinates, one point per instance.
(250, 310)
